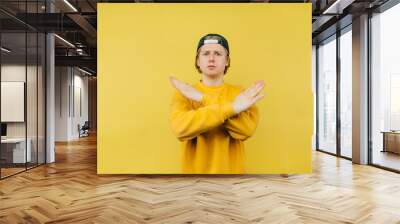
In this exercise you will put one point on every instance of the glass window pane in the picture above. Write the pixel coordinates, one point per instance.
(386, 88)
(22, 88)
(327, 96)
(41, 98)
(14, 153)
(346, 94)
(32, 95)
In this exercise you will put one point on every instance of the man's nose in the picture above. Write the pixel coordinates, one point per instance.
(211, 57)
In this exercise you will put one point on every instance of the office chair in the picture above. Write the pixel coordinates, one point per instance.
(84, 130)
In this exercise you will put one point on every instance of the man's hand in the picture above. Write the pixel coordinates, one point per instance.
(187, 90)
(248, 97)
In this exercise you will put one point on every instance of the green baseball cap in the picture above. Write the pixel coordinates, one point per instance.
(213, 38)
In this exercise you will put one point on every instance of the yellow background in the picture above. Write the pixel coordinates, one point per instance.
(140, 45)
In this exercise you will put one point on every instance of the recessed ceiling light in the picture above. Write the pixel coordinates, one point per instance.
(70, 5)
(84, 71)
(64, 40)
(337, 7)
(5, 50)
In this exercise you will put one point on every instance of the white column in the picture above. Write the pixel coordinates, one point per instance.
(50, 93)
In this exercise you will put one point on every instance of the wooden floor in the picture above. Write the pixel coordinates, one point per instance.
(69, 191)
(387, 159)
(5, 172)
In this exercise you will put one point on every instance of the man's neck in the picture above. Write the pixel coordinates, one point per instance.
(213, 81)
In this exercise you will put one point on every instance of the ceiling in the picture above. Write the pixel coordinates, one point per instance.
(76, 22)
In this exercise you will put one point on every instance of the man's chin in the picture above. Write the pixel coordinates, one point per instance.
(212, 74)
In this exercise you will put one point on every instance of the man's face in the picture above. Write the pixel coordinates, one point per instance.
(212, 59)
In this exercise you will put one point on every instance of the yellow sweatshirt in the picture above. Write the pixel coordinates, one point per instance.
(211, 133)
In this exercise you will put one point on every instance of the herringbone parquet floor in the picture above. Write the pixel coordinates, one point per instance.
(69, 191)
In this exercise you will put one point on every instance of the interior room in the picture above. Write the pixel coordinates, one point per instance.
(49, 151)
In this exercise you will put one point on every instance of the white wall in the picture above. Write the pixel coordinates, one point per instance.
(71, 87)
(12, 73)
(34, 125)
(62, 80)
(81, 89)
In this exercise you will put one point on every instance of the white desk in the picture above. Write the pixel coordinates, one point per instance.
(19, 149)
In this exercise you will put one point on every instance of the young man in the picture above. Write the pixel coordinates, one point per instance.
(213, 118)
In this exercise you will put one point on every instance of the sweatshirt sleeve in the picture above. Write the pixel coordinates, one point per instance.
(243, 125)
(188, 123)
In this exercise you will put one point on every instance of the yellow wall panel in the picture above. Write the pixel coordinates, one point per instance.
(141, 45)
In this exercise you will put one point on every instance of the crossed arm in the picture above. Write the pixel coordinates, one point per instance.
(240, 121)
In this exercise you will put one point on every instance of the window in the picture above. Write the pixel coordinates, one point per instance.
(327, 96)
(385, 88)
(346, 93)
